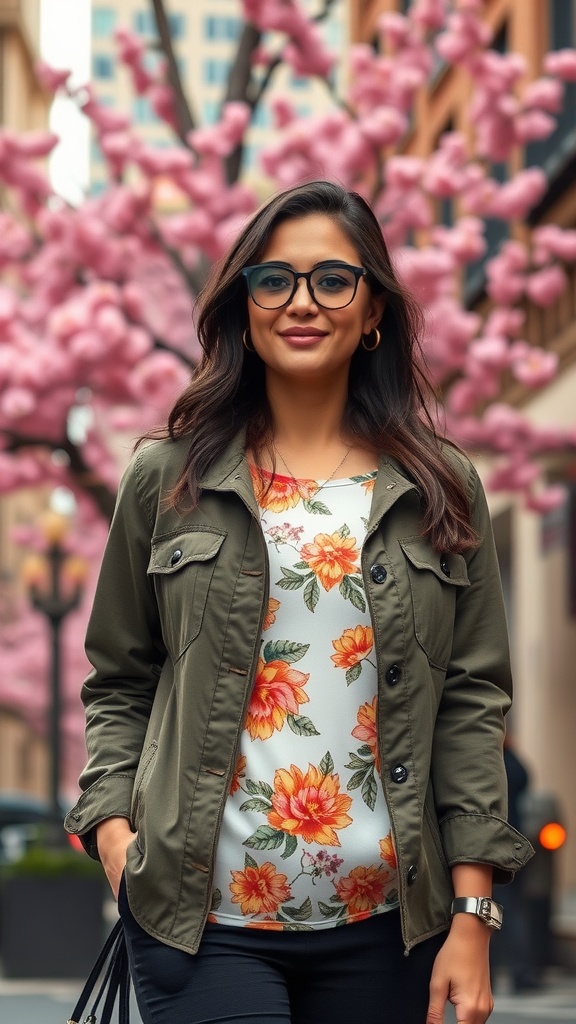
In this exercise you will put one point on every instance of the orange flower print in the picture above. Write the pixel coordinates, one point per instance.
(270, 617)
(309, 804)
(267, 923)
(366, 730)
(331, 557)
(363, 889)
(239, 773)
(387, 851)
(277, 693)
(259, 890)
(352, 647)
(279, 493)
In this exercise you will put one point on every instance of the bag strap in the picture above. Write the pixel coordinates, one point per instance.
(112, 966)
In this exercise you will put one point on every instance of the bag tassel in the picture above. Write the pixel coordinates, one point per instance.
(113, 968)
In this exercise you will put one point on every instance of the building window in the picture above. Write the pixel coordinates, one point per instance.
(102, 66)
(143, 112)
(145, 24)
(210, 111)
(215, 72)
(221, 27)
(299, 82)
(103, 21)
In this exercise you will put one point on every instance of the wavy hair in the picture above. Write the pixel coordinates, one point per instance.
(389, 399)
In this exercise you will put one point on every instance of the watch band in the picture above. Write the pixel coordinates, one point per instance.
(490, 912)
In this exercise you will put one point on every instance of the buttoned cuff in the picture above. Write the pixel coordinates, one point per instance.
(109, 797)
(483, 839)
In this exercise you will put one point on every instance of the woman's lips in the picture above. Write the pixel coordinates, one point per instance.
(302, 336)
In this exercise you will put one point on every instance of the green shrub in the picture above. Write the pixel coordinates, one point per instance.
(48, 862)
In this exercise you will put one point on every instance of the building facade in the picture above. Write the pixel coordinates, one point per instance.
(537, 553)
(23, 105)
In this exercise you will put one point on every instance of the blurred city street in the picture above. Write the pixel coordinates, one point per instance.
(51, 1002)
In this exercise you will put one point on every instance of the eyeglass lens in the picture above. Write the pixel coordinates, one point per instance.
(332, 286)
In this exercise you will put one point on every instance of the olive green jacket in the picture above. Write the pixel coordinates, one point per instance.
(174, 639)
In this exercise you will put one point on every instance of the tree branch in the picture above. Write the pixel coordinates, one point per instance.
(184, 117)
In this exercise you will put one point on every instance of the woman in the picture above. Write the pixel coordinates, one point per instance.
(300, 665)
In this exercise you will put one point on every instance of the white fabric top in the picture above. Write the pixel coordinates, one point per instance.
(305, 839)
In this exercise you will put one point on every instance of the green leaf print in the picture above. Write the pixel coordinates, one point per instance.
(301, 725)
(344, 531)
(326, 765)
(355, 761)
(216, 900)
(292, 580)
(357, 600)
(259, 789)
(301, 913)
(369, 791)
(328, 911)
(300, 565)
(364, 751)
(290, 848)
(249, 862)
(316, 507)
(345, 587)
(392, 898)
(357, 779)
(284, 650)
(256, 804)
(265, 838)
(357, 580)
(311, 594)
(353, 672)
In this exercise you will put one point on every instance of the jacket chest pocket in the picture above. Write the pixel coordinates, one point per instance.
(182, 566)
(435, 581)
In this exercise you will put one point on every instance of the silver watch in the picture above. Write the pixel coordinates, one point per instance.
(490, 912)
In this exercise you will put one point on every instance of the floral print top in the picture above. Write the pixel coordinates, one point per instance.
(305, 841)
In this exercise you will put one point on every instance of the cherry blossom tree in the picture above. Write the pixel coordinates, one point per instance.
(96, 301)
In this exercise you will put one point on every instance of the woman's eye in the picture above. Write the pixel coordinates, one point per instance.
(274, 282)
(332, 283)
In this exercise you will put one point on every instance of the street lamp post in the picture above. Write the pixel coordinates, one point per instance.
(54, 581)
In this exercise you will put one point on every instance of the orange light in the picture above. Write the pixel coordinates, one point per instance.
(552, 836)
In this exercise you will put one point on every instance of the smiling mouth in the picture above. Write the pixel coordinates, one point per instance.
(303, 334)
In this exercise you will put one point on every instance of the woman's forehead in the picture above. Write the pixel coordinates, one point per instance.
(310, 239)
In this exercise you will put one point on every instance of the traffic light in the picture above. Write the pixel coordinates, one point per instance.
(542, 824)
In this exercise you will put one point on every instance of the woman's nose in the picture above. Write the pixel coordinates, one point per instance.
(302, 298)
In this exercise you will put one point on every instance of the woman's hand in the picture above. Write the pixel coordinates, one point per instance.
(461, 974)
(113, 837)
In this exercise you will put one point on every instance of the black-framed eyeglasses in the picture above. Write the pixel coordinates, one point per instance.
(331, 284)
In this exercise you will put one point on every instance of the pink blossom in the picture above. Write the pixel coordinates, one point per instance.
(504, 321)
(51, 79)
(283, 112)
(545, 94)
(15, 403)
(535, 369)
(29, 145)
(517, 197)
(551, 240)
(430, 14)
(546, 285)
(547, 500)
(561, 64)
(465, 240)
(533, 125)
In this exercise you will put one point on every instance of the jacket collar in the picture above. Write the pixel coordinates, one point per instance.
(230, 472)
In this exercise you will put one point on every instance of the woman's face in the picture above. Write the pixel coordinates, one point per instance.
(302, 339)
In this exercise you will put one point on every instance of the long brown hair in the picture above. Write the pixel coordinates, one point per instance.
(389, 398)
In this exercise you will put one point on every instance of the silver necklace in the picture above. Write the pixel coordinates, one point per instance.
(323, 484)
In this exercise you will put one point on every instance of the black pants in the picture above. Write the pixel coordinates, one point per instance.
(341, 975)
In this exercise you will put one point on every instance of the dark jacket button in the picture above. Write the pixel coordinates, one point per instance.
(412, 874)
(445, 565)
(393, 675)
(399, 773)
(176, 556)
(378, 573)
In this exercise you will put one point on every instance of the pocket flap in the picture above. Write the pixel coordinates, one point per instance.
(422, 556)
(169, 554)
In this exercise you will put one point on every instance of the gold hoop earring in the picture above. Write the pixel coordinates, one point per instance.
(244, 341)
(371, 348)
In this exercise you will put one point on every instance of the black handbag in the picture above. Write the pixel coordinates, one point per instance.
(109, 979)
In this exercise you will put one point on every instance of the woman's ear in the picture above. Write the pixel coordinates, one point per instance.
(375, 312)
